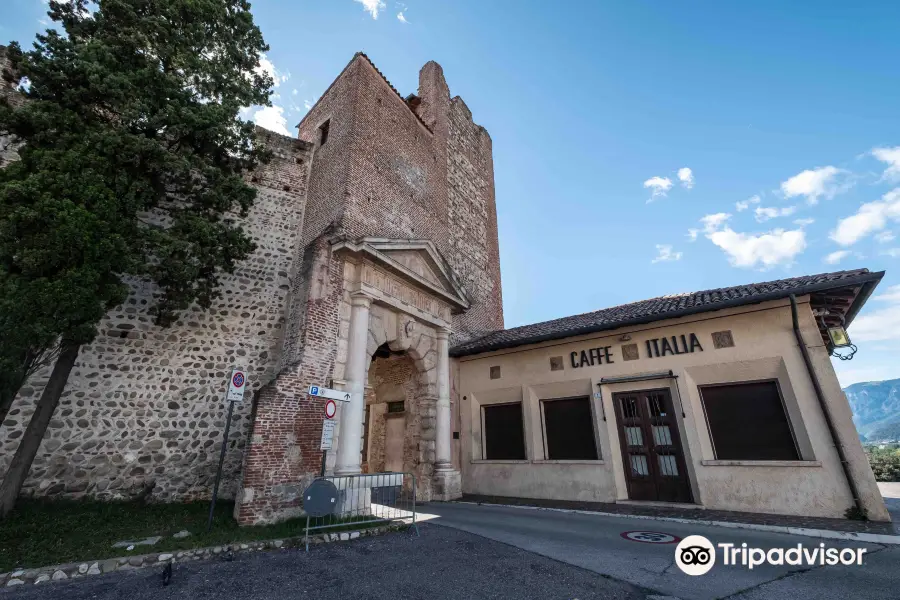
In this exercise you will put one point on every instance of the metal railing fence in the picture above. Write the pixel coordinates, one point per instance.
(368, 499)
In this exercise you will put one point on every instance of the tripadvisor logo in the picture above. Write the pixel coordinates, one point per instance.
(696, 555)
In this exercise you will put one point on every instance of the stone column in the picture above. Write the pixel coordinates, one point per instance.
(442, 460)
(352, 413)
(446, 479)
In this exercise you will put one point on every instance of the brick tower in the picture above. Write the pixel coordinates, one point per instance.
(398, 252)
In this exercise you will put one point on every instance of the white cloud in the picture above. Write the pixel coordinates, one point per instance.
(659, 186)
(837, 256)
(742, 205)
(766, 250)
(764, 213)
(372, 6)
(804, 222)
(272, 118)
(295, 92)
(815, 183)
(308, 104)
(891, 156)
(665, 254)
(267, 66)
(402, 18)
(871, 217)
(885, 237)
(686, 177)
(881, 324)
(892, 252)
(692, 234)
(747, 250)
(713, 222)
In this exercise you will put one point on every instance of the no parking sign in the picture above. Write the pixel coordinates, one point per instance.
(236, 386)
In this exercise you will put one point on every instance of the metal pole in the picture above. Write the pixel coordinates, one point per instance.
(215, 494)
(324, 454)
(415, 526)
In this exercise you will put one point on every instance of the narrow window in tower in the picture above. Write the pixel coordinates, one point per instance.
(323, 132)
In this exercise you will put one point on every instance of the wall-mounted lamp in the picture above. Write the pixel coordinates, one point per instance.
(624, 338)
(839, 337)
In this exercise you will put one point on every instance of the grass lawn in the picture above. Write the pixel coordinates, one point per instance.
(40, 533)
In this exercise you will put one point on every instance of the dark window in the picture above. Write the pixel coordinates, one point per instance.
(569, 429)
(495, 372)
(504, 438)
(323, 132)
(747, 421)
(396, 407)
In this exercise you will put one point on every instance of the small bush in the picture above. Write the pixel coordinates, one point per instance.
(885, 464)
(854, 513)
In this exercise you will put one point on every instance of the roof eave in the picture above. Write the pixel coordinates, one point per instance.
(862, 297)
(868, 280)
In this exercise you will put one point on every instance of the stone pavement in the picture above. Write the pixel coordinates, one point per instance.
(442, 564)
(701, 514)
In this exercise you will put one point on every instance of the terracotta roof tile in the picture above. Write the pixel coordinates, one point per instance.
(665, 307)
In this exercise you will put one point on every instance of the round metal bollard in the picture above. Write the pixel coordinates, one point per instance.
(319, 500)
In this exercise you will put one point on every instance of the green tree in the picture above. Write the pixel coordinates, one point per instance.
(130, 168)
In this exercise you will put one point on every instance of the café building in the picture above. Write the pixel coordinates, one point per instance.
(721, 399)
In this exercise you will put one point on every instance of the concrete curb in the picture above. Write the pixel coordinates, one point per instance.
(875, 538)
(77, 570)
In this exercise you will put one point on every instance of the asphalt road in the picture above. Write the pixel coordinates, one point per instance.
(441, 564)
(595, 543)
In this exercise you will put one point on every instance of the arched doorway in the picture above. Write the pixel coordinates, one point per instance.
(397, 403)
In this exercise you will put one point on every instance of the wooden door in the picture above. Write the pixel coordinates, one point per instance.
(651, 448)
(394, 433)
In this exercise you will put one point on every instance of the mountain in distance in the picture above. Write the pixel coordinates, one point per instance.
(876, 409)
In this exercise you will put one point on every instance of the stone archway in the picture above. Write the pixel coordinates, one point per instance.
(403, 368)
(397, 426)
(384, 310)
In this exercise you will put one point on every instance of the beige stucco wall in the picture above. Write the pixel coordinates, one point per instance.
(765, 348)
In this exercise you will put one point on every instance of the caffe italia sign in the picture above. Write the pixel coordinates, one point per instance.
(685, 343)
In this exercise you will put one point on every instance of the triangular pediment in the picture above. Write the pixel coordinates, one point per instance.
(417, 261)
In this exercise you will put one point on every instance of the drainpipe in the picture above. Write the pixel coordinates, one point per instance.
(820, 396)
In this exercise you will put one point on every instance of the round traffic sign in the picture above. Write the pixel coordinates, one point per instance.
(330, 409)
(238, 379)
(649, 537)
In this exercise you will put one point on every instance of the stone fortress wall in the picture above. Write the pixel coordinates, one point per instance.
(143, 410)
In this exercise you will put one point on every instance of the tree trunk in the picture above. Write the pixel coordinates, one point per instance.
(31, 440)
(6, 400)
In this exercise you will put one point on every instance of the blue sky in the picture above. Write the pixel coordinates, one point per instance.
(785, 115)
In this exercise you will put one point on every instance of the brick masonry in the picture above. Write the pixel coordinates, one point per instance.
(143, 412)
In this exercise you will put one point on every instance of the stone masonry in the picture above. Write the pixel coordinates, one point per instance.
(143, 414)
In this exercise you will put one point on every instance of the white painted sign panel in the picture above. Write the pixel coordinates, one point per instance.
(323, 392)
(236, 386)
(327, 434)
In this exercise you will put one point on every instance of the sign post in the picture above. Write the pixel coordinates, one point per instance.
(323, 392)
(330, 410)
(235, 394)
(327, 432)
